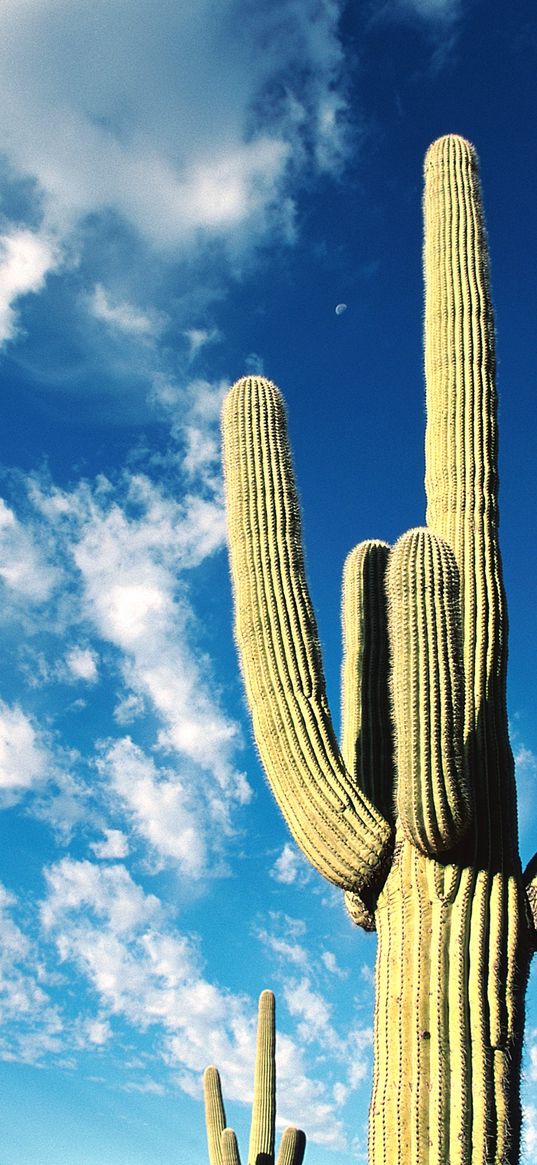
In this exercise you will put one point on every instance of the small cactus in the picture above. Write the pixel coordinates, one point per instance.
(222, 1142)
(415, 817)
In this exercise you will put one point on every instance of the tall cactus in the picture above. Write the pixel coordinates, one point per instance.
(415, 817)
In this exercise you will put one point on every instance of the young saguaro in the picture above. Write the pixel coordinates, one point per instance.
(415, 816)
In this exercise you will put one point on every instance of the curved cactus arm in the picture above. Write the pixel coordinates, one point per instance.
(361, 913)
(461, 472)
(215, 1117)
(292, 1147)
(434, 799)
(338, 828)
(366, 733)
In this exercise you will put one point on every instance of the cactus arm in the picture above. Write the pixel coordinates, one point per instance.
(230, 1148)
(335, 824)
(461, 472)
(361, 913)
(261, 1146)
(292, 1147)
(215, 1117)
(433, 791)
(366, 734)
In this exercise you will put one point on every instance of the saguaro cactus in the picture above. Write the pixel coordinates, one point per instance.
(222, 1141)
(415, 817)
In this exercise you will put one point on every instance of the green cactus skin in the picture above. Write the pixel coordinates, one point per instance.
(230, 1148)
(221, 1141)
(440, 876)
(215, 1117)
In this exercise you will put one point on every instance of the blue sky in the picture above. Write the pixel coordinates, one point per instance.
(187, 191)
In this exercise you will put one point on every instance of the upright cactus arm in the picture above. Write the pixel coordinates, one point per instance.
(346, 838)
(434, 797)
(461, 470)
(366, 721)
(261, 1146)
(366, 718)
(215, 1116)
(230, 1148)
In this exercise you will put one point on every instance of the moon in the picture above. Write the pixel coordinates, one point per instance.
(341, 307)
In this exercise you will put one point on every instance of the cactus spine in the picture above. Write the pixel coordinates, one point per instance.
(440, 877)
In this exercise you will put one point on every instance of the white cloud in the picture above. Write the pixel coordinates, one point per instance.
(159, 807)
(289, 952)
(109, 110)
(24, 567)
(198, 338)
(435, 9)
(526, 782)
(352, 1049)
(129, 709)
(106, 892)
(331, 964)
(289, 867)
(94, 1032)
(114, 845)
(130, 569)
(82, 664)
(26, 258)
(121, 315)
(313, 1011)
(525, 760)
(24, 759)
(125, 553)
(30, 1024)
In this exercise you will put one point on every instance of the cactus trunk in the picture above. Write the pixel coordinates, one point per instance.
(452, 962)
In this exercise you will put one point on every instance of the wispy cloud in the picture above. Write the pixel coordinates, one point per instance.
(290, 867)
(24, 757)
(115, 115)
(124, 316)
(529, 1134)
(25, 568)
(31, 1024)
(434, 12)
(26, 258)
(126, 552)
(157, 806)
